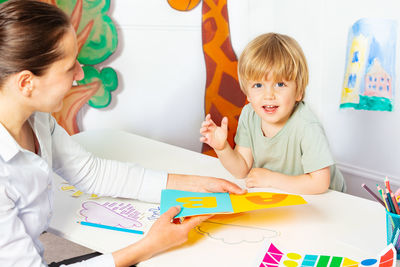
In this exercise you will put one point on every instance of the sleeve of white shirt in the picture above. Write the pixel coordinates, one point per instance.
(16, 246)
(105, 260)
(100, 176)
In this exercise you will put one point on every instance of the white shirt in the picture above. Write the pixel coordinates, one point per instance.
(26, 198)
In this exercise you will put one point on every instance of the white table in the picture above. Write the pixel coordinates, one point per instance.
(332, 223)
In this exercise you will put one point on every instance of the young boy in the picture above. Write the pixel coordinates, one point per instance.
(279, 141)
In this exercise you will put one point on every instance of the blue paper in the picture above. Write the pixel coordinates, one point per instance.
(195, 203)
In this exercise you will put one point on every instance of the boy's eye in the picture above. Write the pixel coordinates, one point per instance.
(257, 85)
(280, 84)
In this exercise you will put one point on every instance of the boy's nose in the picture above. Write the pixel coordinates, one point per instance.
(269, 93)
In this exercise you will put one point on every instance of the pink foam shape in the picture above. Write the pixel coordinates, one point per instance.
(273, 249)
(269, 259)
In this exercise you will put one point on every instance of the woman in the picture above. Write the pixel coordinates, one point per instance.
(38, 65)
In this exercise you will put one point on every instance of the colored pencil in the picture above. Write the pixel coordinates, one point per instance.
(387, 184)
(383, 197)
(111, 227)
(388, 198)
(373, 194)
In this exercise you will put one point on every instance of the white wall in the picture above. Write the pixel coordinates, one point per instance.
(162, 75)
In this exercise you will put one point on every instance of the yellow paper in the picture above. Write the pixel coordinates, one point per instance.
(263, 200)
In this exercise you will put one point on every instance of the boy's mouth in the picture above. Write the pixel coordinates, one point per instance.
(270, 108)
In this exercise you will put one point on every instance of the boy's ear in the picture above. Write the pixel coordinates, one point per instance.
(299, 96)
(25, 82)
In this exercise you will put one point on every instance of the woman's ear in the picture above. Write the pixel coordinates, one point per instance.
(25, 82)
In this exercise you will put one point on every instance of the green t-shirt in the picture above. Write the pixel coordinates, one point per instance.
(299, 147)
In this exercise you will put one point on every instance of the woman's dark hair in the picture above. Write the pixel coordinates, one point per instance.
(30, 32)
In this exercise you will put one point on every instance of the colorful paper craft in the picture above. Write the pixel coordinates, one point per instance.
(275, 258)
(195, 203)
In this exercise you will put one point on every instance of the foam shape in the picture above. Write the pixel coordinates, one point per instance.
(77, 194)
(290, 263)
(309, 260)
(67, 187)
(323, 260)
(263, 264)
(336, 261)
(388, 259)
(275, 250)
(348, 262)
(387, 256)
(368, 262)
(269, 259)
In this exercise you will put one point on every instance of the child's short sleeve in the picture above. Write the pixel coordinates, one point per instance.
(315, 149)
(242, 137)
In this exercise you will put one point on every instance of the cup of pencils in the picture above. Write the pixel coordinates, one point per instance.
(389, 200)
(393, 230)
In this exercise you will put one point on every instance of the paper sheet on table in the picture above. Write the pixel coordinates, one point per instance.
(195, 203)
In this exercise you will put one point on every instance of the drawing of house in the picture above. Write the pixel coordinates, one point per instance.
(378, 82)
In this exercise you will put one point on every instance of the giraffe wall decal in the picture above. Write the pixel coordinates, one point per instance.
(223, 96)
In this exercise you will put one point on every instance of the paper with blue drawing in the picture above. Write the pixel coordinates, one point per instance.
(370, 65)
(195, 203)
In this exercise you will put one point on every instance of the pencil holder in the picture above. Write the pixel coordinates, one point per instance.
(393, 231)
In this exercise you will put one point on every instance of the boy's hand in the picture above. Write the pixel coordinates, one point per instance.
(213, 135)
(259, 177)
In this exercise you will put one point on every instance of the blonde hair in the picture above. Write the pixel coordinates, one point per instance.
(277, 54)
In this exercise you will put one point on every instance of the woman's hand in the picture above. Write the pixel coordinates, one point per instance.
(163, 235)
(206, 184)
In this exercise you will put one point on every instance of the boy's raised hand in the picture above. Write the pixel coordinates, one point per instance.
(213, 135)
